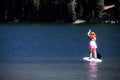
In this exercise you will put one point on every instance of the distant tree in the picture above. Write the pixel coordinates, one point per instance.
(95, 8)
(65, 9)
(117, 10)
(99, 8)
(36, 7)
(89, 9)
(45, 10)
(2, 10)
(55, 10)
(9, 10)
(81, 8)
(109, 2)
(29, 10)
(51, 10)
(17, 10)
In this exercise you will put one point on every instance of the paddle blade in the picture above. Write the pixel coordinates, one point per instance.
(98, 55)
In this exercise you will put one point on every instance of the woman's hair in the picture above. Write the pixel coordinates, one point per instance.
(92, 35)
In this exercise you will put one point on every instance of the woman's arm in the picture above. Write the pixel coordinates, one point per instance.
(89, 33)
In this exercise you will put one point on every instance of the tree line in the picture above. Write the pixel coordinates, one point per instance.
(51, 10)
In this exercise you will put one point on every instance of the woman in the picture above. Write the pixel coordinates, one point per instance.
(92, 45)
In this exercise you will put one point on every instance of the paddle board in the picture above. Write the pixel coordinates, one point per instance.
(92, 59)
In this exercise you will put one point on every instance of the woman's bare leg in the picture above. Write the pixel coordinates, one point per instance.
(95, 53)
(90, 53)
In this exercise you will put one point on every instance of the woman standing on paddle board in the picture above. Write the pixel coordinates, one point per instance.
(92, 45)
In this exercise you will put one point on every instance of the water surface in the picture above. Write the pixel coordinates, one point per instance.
(55, 52)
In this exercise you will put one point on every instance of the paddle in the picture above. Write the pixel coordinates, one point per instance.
(99, 55)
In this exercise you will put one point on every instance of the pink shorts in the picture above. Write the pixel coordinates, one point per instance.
(92, 46)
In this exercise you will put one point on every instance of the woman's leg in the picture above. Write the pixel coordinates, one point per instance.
(95, 53)
(90, 53)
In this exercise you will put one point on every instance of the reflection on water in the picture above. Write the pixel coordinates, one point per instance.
(93, 69)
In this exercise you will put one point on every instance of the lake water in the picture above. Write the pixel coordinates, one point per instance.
(55, 52)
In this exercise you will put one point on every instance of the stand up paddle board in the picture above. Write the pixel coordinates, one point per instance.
(92, 59)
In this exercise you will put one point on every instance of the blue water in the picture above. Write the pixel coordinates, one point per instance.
(55, 52)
